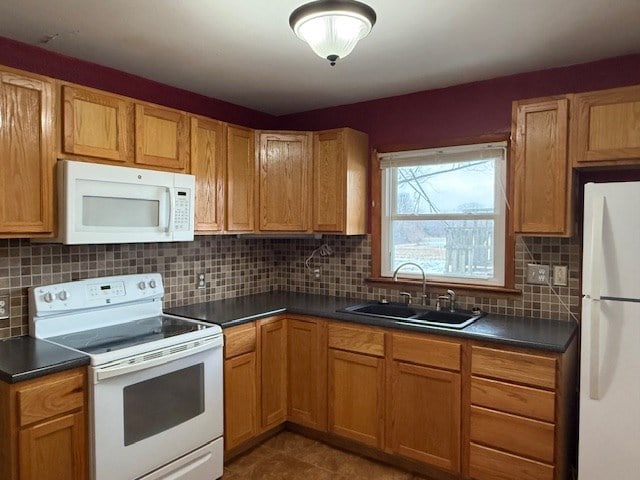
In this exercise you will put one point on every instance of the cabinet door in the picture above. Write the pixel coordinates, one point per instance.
(97, 125)
(54, 449)
(425, 414)
(329, 202)
(541, 171)
(273, 365)
(207, 164)
(606, 127)
(27, 153)
(307, 374)
(162, 138)
(356, 397)
(284, 182)
(240, 399)
(241, 171)
(340, 176)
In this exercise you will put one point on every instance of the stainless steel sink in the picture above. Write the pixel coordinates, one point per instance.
(414, 315)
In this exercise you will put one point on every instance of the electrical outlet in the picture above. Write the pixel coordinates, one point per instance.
(201, 281)
(560, 275)
(4, 307)
(316, 274)
(537, 274)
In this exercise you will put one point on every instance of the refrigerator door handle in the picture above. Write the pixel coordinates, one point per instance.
(596, 254)
(594, 350)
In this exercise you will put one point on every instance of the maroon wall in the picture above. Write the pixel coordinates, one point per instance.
(480, 108)
(425, 118)
(37, 60)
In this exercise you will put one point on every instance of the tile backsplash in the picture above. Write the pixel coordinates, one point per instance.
(242, 266)
(343, 274)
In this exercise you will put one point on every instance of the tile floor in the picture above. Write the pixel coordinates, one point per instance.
(289, 456)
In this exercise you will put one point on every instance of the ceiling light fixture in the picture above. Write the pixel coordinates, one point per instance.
(332, 27)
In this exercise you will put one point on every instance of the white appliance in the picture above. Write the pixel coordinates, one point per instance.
(156, 391)
(610, 346)
(106, 204)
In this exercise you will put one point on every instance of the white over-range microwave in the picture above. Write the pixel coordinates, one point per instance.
(108, 204)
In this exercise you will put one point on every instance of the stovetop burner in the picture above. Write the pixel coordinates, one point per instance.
(128, 334)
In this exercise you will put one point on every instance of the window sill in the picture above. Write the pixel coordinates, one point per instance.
(432, 287)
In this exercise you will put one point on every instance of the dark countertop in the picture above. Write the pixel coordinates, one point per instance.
(549, 335)
(24, 358)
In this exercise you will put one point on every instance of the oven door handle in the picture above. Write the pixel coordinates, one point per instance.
(154, 359)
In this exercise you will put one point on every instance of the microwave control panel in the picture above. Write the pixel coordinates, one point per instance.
(181, 213)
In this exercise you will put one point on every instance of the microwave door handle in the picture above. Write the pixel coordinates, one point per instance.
(169, 228)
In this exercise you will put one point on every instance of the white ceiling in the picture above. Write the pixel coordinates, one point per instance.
(244, 52)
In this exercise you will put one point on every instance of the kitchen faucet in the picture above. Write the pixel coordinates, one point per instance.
(449, 297)
(424, 279)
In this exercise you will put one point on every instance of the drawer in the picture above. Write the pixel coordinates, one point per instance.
(239, 340)
(506, 397)
(426, 351)
(536, 370)
(49, 398)
(489, 464)
(357, 339)
(523, 436)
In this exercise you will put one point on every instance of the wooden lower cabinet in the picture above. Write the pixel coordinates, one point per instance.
(521, 407)
(490, 464)
(240, 385)
(54, 449)
(356, 396)
(43, 428)
(448, 408)
(425, 415)
(307, 372)
(273, 372)
(424, 398)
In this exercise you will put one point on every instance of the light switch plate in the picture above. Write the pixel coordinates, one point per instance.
(537, 274)
(560, 275)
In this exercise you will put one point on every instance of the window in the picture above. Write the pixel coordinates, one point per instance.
(445, 210)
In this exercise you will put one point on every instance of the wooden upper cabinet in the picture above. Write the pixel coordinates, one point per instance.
(284, 181)
(162, 138)
(241, 174)
(340, 167)
(96, 124)
(27, 152)
(541, 174)
(208, 166)
(606, 127)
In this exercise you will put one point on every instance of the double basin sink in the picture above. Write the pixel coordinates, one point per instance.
(414, 315)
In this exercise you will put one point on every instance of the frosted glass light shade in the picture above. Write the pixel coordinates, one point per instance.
(332, 28)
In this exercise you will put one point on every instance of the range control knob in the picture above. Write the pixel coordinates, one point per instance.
(142, 285)
(48, 297)
(152, 284)
(63, 295)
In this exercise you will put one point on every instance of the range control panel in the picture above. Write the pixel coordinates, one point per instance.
(94, 292)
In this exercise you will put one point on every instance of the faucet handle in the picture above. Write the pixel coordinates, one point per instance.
(407, 296)
(452, 300)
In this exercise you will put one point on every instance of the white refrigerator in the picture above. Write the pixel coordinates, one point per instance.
(609, 441)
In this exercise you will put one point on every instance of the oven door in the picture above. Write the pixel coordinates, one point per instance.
(158, 410)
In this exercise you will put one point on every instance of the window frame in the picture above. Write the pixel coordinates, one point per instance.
(385, 281)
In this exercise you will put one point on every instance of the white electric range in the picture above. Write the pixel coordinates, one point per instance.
(156, 390)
